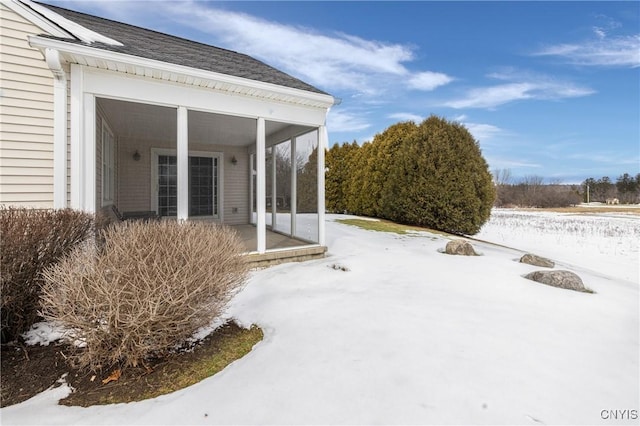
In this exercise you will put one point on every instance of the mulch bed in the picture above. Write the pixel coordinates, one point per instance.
(29, 370)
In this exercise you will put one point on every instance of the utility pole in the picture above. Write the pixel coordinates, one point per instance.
(587, 193)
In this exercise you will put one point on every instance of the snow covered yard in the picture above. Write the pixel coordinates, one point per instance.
(408, 335)
(606, 243)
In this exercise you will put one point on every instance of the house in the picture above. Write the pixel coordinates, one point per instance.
(97, 113)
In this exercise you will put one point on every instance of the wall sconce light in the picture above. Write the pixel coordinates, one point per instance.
(234, 160)
(136, 156)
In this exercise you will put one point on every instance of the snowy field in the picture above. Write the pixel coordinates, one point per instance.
(606, 243)
(408, 335)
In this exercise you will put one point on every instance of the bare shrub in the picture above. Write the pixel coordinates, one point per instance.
(148, 288)
(32, 240)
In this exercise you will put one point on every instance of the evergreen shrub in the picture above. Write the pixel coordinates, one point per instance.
(430, 174)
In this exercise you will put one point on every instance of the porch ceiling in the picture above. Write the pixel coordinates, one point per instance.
(153, 122)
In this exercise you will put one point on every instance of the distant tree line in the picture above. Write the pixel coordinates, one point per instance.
(429, 174)
(532, 191)
(626, 189)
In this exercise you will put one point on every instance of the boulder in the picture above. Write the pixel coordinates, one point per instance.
(460, 247)
(534, 260)
(562, 279)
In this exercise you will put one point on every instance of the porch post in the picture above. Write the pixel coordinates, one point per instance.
(261, 211)
(89, 160)
(77, 169)
(323, 139)
(183, 164)
(294, 187)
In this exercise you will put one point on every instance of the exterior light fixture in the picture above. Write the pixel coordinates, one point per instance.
(136, 156)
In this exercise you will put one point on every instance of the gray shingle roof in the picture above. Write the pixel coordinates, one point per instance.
(154, 45)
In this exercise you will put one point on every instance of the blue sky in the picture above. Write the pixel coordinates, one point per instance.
(550, 89)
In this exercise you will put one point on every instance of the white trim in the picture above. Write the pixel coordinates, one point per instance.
(28, 13)
(255, 88)
(77, 168)
(115, 85)
(261, 228)
(183, 163)
(89, 160)
(59, 129)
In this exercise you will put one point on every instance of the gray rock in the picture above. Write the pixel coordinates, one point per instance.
(562, 279)
(534, 260)
(460, 247)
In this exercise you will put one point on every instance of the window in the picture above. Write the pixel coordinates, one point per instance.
(108, 165)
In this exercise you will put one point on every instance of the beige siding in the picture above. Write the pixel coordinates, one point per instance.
(236, 186)
(134, 177)
(67, 70)
(26, 116)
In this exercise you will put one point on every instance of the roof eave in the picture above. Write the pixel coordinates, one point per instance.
(181, 73)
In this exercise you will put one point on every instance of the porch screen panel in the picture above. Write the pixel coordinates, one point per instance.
(254, 190)
(167, 185)
(283, 186)
(269, 180)
(307, 187)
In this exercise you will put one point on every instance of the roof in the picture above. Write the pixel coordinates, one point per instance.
(149, 44)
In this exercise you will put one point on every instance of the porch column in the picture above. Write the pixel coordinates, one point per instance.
(323, 141)
(294, 187)
(89, 158)
(182, 160)
(261, 210)
(77, 177)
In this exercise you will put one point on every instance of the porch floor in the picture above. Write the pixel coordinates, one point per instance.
(286, 249)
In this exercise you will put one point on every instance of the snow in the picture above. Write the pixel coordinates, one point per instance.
(604, 243)
(43, 333)
(408, 335)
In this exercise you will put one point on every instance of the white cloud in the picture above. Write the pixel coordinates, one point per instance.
(621, 51)
(483, 132)
(336, 61)
(611, 157)
(406, 116)
(344, 121)
(428, 80)
(506, 163)
(519, 86)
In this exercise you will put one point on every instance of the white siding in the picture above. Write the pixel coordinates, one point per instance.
(26, 116)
